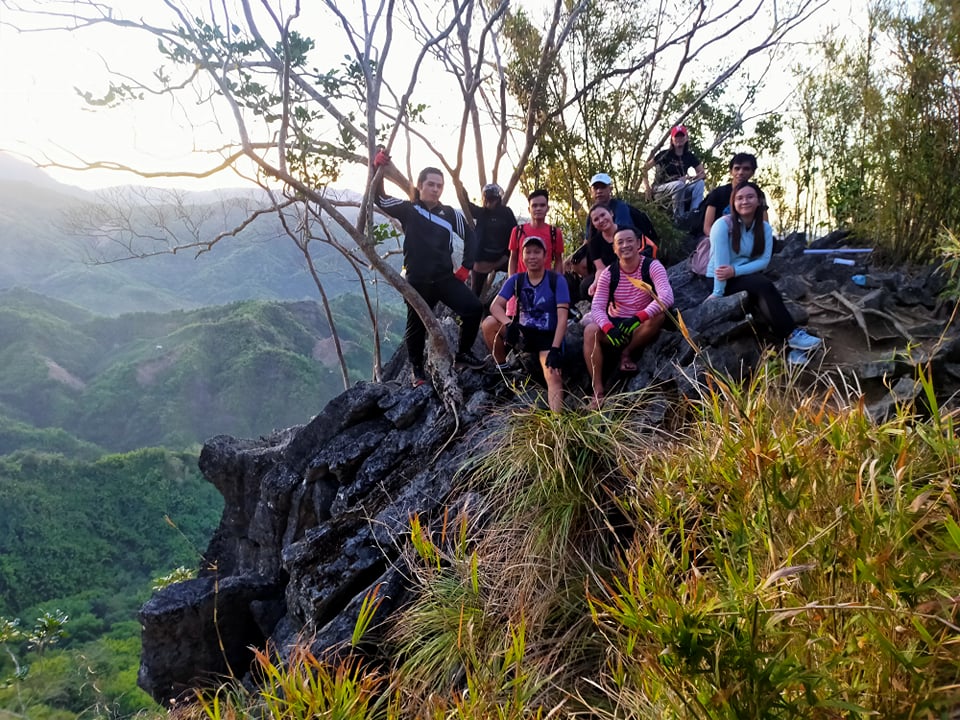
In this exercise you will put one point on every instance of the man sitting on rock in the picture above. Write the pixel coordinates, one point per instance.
(543, 303)
(627, 311)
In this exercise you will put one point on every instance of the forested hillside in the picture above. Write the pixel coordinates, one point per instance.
(80, 545)
(99, 358)
(173, 379)
(65, 243)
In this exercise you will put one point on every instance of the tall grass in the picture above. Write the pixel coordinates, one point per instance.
(774, 553)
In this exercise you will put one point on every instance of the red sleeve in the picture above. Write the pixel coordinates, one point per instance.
(514, 239)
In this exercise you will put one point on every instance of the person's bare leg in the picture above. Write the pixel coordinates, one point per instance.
(593, 356)
(554, 383)
(492, 332)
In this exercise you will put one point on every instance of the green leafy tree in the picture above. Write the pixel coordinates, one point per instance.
(630, 72)
(879, 131)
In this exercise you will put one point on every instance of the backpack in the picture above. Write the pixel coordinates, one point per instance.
(645, 261)
(553, 240)
(701, 256)
(648, 247)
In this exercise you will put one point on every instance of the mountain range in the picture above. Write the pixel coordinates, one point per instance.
(119, 352)
(110, 251)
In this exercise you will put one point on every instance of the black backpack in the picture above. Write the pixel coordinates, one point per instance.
(645, 260)
(551, 278)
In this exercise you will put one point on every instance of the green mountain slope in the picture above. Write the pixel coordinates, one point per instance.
(67, 243)
(71, 526)
(175, 379)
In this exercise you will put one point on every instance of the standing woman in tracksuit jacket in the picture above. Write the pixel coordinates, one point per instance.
(428, 234)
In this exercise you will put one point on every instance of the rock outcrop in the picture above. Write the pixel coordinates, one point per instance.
(315, 516)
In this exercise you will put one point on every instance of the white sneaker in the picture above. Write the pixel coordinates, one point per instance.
(800, 339)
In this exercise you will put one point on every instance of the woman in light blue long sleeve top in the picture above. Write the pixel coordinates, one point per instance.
(740, 248)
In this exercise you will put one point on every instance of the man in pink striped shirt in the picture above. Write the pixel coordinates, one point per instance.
(627, 310)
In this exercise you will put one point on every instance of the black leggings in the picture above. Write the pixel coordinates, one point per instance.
(766, 299)
(456, 296)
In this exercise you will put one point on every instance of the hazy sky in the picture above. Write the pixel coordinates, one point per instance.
(41, 112)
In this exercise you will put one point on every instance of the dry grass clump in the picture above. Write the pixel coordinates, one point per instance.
(774, 554)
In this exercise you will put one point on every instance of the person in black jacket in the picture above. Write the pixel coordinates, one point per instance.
(429, 228)
(495, 221)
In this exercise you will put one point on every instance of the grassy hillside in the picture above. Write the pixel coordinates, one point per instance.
(174, 379)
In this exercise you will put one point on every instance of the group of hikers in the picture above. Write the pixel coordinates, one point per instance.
(616, 268)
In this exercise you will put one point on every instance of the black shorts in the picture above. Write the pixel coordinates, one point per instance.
(535, 341)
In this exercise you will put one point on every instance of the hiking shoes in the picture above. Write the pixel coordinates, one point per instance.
(797, 358)
(468, 360)
(800, 339)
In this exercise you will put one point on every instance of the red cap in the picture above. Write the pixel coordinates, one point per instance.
(678, 130)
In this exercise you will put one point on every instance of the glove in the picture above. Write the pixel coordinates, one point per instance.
(619, 335)
(381, 158)
(555, 358)
(462, 274)
(616, 338)
(511, 336)
(628, 328)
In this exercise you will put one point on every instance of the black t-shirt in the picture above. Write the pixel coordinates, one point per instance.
(623, 214)
(671, 166)
(719, 198)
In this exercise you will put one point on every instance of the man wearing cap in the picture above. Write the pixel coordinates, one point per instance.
(598, 251)
(671, 177)
(543, 302)
(495, 221)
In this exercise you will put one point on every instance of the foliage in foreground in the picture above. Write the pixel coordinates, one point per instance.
(776, 553)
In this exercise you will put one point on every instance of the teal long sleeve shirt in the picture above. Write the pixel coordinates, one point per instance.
(721, 250)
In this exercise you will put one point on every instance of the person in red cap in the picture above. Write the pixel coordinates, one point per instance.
(428, 241)
(672, 178)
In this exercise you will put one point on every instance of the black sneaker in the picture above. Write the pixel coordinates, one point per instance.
(468, 360)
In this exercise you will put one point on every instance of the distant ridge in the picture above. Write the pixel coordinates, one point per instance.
(15, 170)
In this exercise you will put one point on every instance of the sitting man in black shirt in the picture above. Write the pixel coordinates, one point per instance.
(717, 204)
